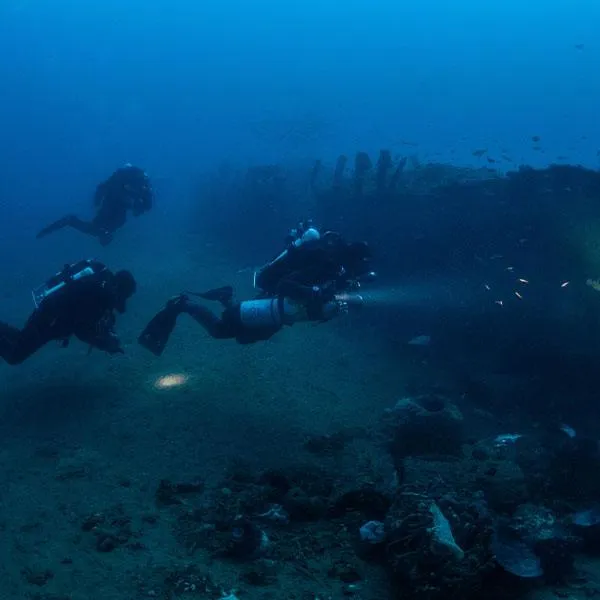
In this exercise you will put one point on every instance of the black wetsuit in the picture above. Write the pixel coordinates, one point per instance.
(329, 260)
(126, 189)
(83, 308)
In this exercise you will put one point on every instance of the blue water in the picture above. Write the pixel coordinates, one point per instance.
(181, 87)
(176, 85)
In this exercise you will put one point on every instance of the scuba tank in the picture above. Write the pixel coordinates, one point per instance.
(69, 274)
(272, 271)
(269, 312)
(280, 311)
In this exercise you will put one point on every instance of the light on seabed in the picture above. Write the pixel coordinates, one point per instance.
(172, 380)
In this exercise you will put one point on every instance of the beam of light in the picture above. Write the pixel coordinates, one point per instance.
(170, 381)
(433, 294)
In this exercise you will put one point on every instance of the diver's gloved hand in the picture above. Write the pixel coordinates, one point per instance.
(108, 342)
(105, 237)
(324, 293)
(320, 296)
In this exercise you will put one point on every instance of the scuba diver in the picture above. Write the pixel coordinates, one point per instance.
(312, 258)
(80, 300)
(307, 282)
(128, 188)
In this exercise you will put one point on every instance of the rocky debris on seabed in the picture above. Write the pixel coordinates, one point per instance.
(333, 443)
(281, 530)
(428, 514)
(438, 548)
(37, 576)
(169, 493)
(112, 529)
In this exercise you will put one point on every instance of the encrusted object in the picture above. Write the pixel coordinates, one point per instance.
(438, 548)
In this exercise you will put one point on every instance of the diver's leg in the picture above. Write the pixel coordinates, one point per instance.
(156, 334)
(224, 295)
(9, 337)
(215, 326)
(69, 221)
(18, 345)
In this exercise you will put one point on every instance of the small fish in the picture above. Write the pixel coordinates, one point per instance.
(564, 284)
(535, 138)
(518, 296)
(479, 153)
(521, 280)
(420, 340)
(568, 430)
(499, 302)
(586, 518)
(507, 438)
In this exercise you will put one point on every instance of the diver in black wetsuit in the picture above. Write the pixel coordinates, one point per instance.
(309, 283)
(128, 188)
(80, 300)
(312, 258)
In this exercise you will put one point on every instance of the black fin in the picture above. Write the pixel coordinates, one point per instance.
(156, 334)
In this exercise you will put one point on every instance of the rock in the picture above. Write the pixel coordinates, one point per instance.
(372, 532)
(501, 483)
(442, 538)
(539, 529)
(262, 573)
(302, 507)
(366, 500)
(246, 541)
(190, 580)
(344, 571)
(92, 522)
(535, 543)
(429, 425)
(167, 493)
(437, 549)
(106, 541)
(39, 577)
(516, 557)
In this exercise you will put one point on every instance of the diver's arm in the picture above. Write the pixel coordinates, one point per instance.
(318, 301)
(102, 336)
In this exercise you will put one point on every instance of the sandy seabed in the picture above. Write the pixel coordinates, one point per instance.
(85, 432)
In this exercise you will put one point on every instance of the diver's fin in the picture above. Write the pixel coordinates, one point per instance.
(223, 295)
(156, 334)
